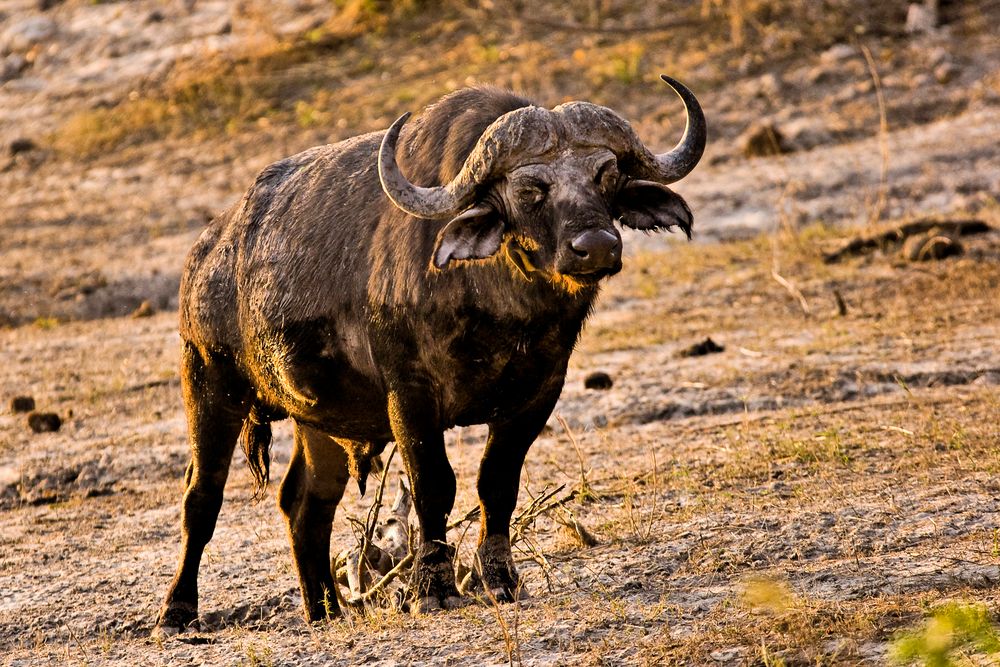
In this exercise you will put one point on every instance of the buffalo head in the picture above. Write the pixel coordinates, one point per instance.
(545, 187)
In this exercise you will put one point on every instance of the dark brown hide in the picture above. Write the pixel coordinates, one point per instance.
(315, 298)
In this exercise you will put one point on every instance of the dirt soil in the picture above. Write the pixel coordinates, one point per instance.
(803, 496)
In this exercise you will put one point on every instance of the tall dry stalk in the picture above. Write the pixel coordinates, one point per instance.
(781, 222)
(883, 141)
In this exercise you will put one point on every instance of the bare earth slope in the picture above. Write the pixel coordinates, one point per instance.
(804, 495)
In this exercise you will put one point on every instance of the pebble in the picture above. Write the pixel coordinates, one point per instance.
(23, 35)
(946, 72)
(837, 52)
(12, 67)
(920, 19)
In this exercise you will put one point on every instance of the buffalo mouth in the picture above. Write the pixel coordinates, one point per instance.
(594, 276)
(522, 260)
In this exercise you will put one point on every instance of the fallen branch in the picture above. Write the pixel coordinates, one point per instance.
(471, 515)
(379, 585)
(859, 245)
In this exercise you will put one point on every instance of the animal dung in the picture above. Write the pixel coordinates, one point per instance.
(22, 145)
(707, 346)
(44, 422)
(22, 404)
(598, 380)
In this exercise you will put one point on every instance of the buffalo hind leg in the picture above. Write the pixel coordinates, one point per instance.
(310, 492)
(497, 485)
(215, 401)
(421, 444)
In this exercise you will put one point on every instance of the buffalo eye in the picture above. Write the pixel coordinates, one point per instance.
(607, 177)
(531, 194)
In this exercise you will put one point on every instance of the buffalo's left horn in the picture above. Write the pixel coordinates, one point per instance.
(595, 125)
(678, 162)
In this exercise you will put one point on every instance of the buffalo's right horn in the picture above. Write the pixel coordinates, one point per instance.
(515, 130)
(440, 202)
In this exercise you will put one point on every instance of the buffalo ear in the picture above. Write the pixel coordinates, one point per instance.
(650, 207)
(474, 234)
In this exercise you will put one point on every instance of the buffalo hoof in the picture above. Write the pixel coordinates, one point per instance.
(508, 591)
(505, 594)
(431, 604)
(426, 605)
(433, 579)
(175, 619)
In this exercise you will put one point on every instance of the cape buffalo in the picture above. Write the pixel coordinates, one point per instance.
(397, 284)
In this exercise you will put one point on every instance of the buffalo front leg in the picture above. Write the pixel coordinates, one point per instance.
(215, 401)
(418, 435)
(309, 495)
(498, 482)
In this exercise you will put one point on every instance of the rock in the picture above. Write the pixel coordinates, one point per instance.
(145, 309)
(23, 35)
(22, 145)
(768, 85)
(12, 66)
(803, 134)
(921, 18)
(707, 346)
(598, 380)
(987, 378)
(937, 56)
(762, 140)
(44, 422)
(22, 404)
(946, 72)
(837, 53)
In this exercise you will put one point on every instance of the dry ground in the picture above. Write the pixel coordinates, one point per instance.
(802, 497)
(852, 458)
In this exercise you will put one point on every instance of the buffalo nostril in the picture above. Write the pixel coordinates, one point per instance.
(598, 245)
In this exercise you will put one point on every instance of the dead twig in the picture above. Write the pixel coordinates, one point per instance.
(373, 512)
(536, 508)
(791, 289)
(471, 515)
(775, 267)
(584, 487)
(531, 550)
(379, 585)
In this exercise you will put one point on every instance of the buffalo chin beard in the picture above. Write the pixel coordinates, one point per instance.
(569, 282)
